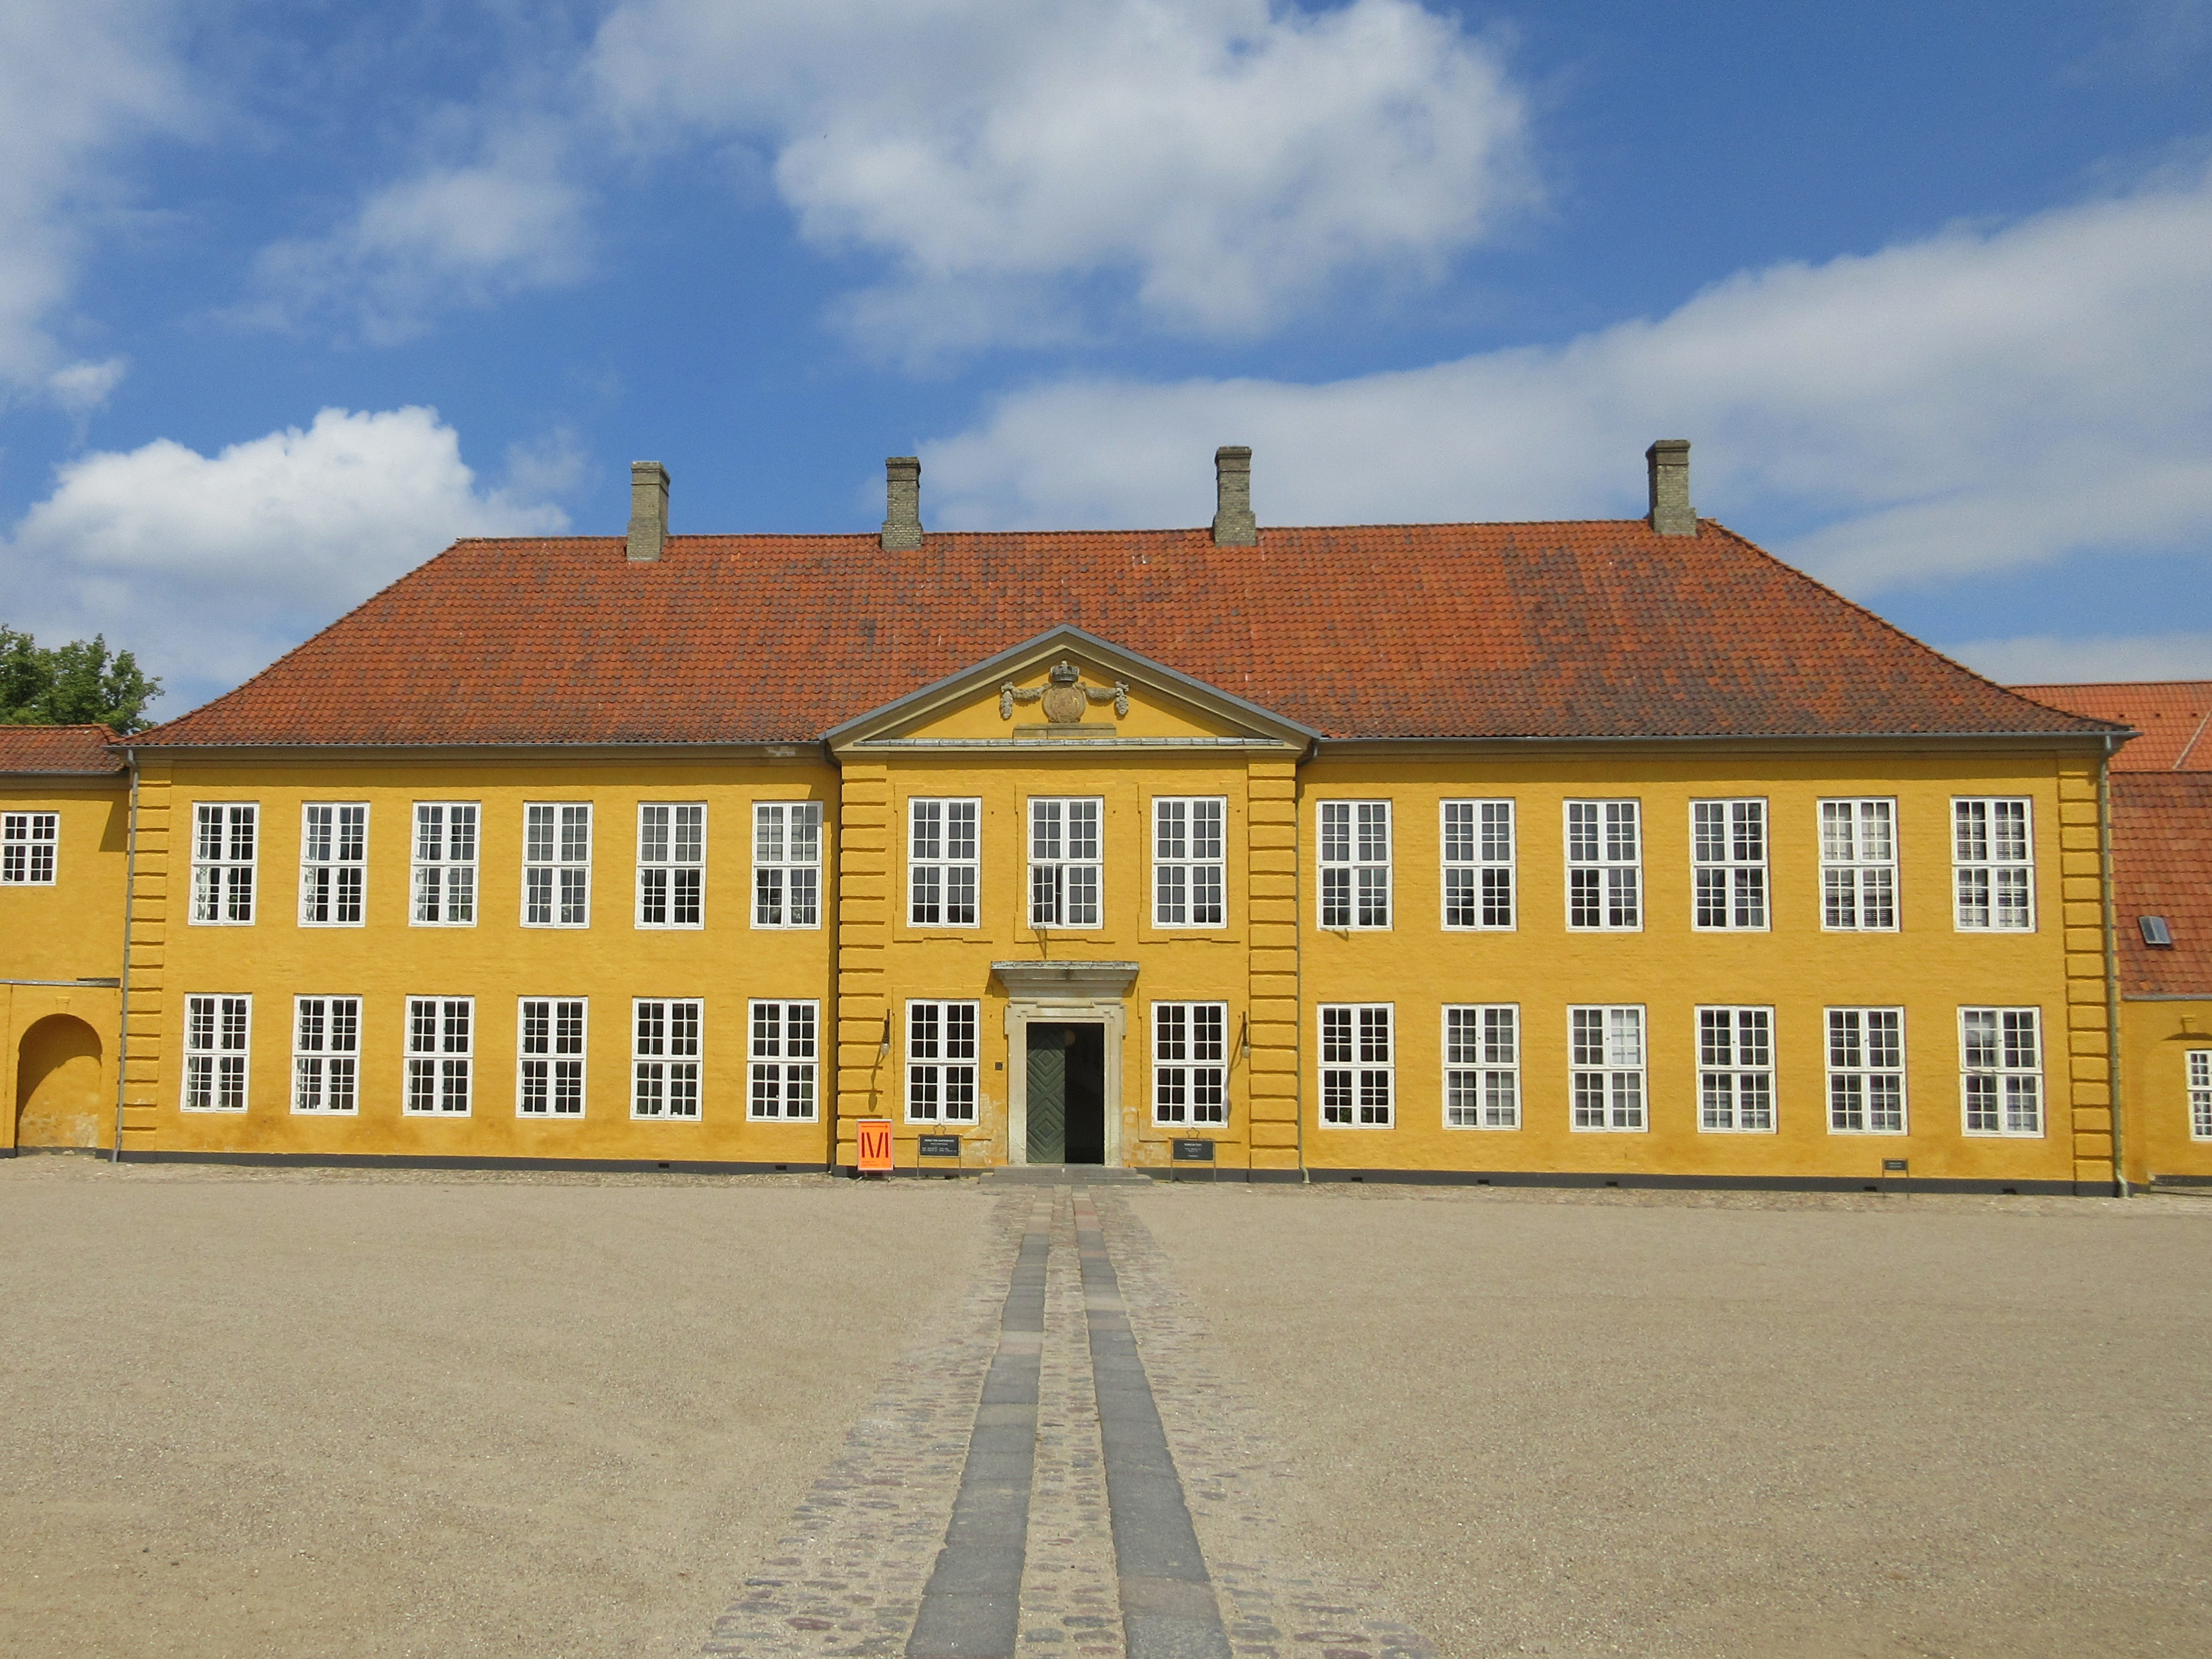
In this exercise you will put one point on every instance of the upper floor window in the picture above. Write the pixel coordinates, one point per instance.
(941, 862)
(1605, 1065)
(223, 839)
(550, 1057)
(1605, 866)
(1858, 866)
(1477, 863)
(1866, 1071)
(1358, 1069)
(1190, 1063)
(1728, 852)
(326, 1053)
(784, 1048)
(333, 864)
(1735, 1069)
(2001, 1066)
(556, 866)
(940, 1062)
(218, 1048)
(1064, 861)
(1994, 860)
(1187, 861)
(665, 1058)
(440, 1055)
(671, 864)
(445, 864)
(787, 864)
(2200, 1094)
(27, 843)
(1482, 1067)
(1355, 864)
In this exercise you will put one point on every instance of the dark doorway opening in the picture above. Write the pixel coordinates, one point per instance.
(1067, 1094)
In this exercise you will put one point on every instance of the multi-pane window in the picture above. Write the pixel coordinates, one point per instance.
(940, 1062)
(1735, 1069)
(333, 864)
(1866, 1071)
(2200, 1094)
(1858, 866)
(1477, 863)
(1064, 861)
(1604, 1066)
(1190, 1062)
(785, 1052)
(440, 1050)
(218, 1044)
(1355, 864)
(2001, 1068)
(28, 841)
(222, 862)
(1187, 861)
(445, 864)
(1482, 1067)
(548, 1078)
(671, 864)
(1993, 859)
(787, 864)
(665, 1058)
(941, 862)
(1728, 855)
(326, 1053)
(1605, 866)
(556, 866)
(1357, 1067)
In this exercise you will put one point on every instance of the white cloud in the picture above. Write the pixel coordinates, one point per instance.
(209, 567)
(83, 387)
(2046, 659)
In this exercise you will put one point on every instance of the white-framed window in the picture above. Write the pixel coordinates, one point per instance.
(786, 1051)
(672, 864)
(1359, 1065)
(1190, 1063)
(664, 1043)
(325, 1054)
(942, 860)
(440, 1055)
(1858, 866)
(2200, 1094)
(2001, 1070)
(1482, 1066)
(28, 841)
(1605, 866)
(1606, 1066)
(1478, 841)
(1993, 858)
(557, 863)
(218, 1048)
(1727, 859)
(1064, 860)
(940, 1062)
(1736, 1070)
(787, 864)
(333, 863)
(549, 1048)
(1866, 1071)
(445, 886)
(1355, 865)
(1188, 869)
(223, 845)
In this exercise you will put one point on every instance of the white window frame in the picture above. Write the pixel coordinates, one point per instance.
(1728, 866)
(667, 1037)
(934, 861)
(564, 875)
(325, 1057)
(1622, 1101)
(1983, 867)
(1358, 1076)
(1352, 845)
(552, 1049)
(1615, 884)
(1067, 889)
(1190, 1064)
(788, 864)
(1184, 871)
(21, 845)
(440, 1066)
(451, 879)
(333, 865)
(1482, 1065)
(219, 880)
(933, 1078)
(2197, 1063)
(2000, 1076)
(1858, 864)
(1735, 1069)
(218, 1053)
(1865, 1049)
(1480, 883)
(672, 865)
(784, 1081)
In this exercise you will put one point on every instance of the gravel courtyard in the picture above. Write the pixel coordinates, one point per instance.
(304, 1414)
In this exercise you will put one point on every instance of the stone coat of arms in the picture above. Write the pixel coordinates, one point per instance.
(1066, 697)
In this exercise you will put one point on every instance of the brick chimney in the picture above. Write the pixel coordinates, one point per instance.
(648, 510)
(1668, 461)
(902, 502)
(1233, 523)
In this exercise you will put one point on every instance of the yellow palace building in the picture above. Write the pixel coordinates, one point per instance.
(1603, 852)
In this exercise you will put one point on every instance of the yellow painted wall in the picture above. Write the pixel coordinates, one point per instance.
(2157, 1038)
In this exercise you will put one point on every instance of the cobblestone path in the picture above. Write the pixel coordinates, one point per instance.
(1136, 1523)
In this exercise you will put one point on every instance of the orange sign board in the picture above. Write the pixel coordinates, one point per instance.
(875, 1145)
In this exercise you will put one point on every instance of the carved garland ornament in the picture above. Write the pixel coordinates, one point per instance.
(1066, 697)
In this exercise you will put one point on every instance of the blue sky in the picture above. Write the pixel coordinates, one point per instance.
(291, 295)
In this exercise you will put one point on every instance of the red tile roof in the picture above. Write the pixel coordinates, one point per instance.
(2172, 715)
(2162, 858)
(1585, 629)
(58, 749)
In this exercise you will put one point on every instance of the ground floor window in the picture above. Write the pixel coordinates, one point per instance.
(2001, 1070)
(665, 1057)
(1605, 1064)
(1482, 1066)
(218, 1045)
(1736, 1070)
(326, 1053)
(2200, 1094)
(784, 1049)
(550, 1057)
(1866, 1071)
(440, 1053)
(1190, 1063)
(940, 1062)
(1357, 1068)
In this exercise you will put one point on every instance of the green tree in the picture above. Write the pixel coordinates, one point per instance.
(73, 684)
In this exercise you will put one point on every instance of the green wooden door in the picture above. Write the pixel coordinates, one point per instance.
(1048, 1096)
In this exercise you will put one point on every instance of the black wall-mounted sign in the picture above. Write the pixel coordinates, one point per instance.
(940, 1145)
(1193, 1151)
(1893, 1166)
